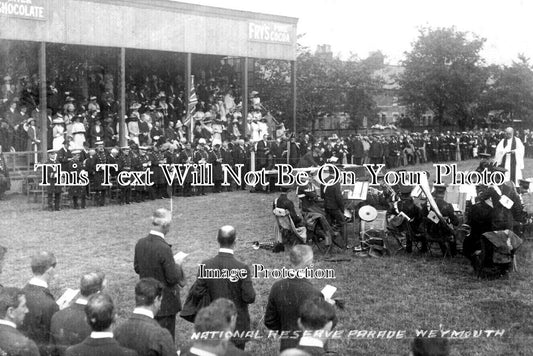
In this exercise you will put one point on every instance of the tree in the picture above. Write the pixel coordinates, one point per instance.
(361, 84)
(325, 85)
(510, 91)
(444, 73)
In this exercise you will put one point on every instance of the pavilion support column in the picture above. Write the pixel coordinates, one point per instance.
(122, 97)
(244, 92)
(188, 73)
(42, 99)
(293, 82)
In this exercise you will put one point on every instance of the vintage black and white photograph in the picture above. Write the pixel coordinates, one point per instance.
(295, 178)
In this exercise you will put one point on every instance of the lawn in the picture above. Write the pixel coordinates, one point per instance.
(397, 293)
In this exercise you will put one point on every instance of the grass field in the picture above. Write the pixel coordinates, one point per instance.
(402, 292)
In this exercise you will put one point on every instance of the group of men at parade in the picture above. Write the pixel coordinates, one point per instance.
(32, 323)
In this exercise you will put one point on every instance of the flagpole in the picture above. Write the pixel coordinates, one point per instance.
(191, 134)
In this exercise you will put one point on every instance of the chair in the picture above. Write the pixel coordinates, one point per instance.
(285, 227)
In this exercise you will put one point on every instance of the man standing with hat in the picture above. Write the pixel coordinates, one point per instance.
(126, 163)
(77, 191)
(216, 160)
(186, 157)
(100, 157)
(200, 157)
(54, 189)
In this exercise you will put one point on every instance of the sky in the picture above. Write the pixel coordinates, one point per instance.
(360, 27)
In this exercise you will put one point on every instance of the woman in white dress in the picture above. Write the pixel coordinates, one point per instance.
(78, 133)
(58, 133)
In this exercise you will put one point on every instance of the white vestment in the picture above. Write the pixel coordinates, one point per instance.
(503, 150)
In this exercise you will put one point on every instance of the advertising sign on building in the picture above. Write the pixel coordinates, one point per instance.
(26, 9)
(270, 32)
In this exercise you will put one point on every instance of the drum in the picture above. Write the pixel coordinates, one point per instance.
(368, 213)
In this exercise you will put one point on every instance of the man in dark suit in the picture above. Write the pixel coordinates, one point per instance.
(69, 326)
(316, 318)
(41, 303)
(12, 311)
(287, 295)
(100, 313)
(239, 291)
(153, 258)
(334, 202)
(141, 332)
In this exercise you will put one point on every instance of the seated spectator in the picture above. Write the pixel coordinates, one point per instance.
(12, 311)
(141, 332)
(69, 326)
(283, 202)
(100, 313)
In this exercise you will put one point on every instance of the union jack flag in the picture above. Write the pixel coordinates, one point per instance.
(191, 109)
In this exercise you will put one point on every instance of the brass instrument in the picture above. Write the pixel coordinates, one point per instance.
(264, 245)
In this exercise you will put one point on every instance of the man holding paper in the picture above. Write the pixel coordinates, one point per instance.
(153, 258)
(287, 295)
(69, 326)
(510, 155)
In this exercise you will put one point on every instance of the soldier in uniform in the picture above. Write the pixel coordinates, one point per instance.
(77, 191)
(442, 230)
(144, 162)
(126, 163)
(160, 183)
(411, 218)
(54, 189)
(238, 154)
(215, 159)
(100, 157)
(200, 157)
(227, 158)
(186, 156)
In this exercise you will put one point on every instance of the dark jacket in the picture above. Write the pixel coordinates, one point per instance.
(307, 160)
(285, 203)
(144, 335)
(14, 343)
(153, 258)
(69, 327)
(240, 292)
(41, 306)
(99, 347)
(285, 298)
(332, 196)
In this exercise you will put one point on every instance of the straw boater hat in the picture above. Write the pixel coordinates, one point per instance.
(135, 106)
(58, 120)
